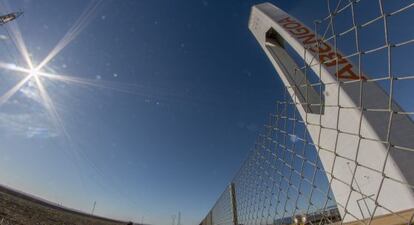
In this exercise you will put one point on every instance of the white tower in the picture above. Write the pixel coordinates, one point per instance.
(364, 147)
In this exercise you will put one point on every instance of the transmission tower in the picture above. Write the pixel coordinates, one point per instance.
(93, 208)
(179, 218)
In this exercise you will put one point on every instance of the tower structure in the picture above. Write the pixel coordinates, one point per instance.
(363, 138)
(173, 219)
(93, 208)
(179, 218)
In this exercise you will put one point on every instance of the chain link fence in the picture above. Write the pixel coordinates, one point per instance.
(284, 180)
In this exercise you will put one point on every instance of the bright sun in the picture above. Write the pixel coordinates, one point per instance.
(37, 74)
(34, 72)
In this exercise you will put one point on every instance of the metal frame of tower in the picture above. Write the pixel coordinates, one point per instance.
(93, 208)
(179, 218)
(173, 219)
(337, 119)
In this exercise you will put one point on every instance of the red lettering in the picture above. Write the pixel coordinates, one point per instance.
(347, 73)
(323, 48)
(309, 39)
(289, 25)
(286, 20)
(299, 31)
(330, 56)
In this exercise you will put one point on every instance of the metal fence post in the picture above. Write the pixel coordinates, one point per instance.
(233, 203)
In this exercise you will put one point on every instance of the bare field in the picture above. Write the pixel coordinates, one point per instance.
(16, 209)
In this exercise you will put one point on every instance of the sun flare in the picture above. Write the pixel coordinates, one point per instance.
(38, 73)
(34, 72)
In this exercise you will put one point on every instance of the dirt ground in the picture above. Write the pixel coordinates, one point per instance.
(15, 210)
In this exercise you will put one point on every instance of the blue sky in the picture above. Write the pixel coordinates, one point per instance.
(180, 92)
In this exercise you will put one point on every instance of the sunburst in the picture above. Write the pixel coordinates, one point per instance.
(36, 73)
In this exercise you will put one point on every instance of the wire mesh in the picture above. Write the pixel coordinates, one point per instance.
(222, 211)
(283, 181)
